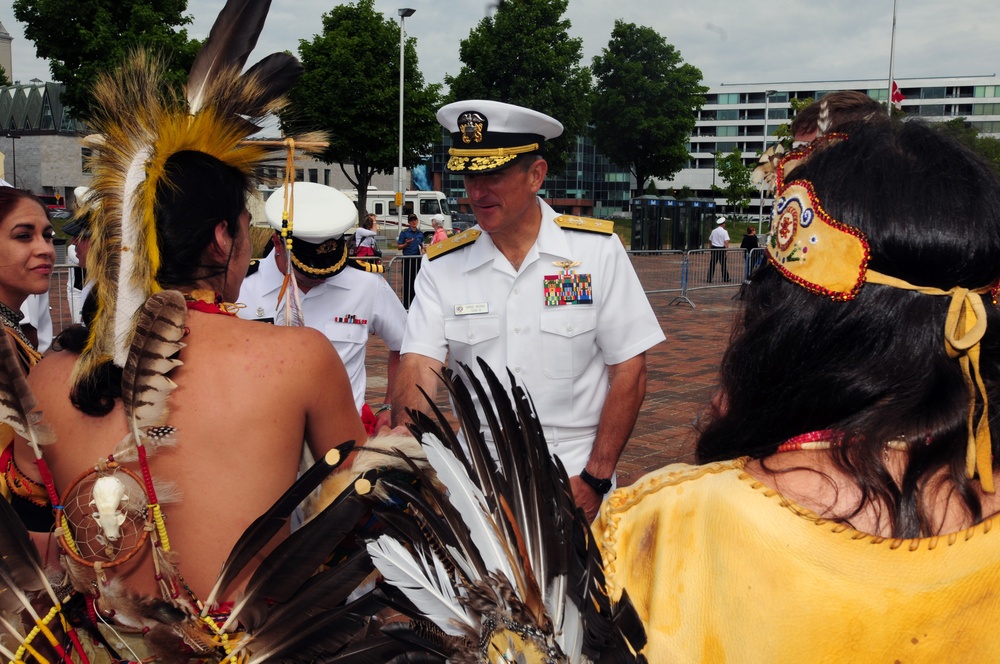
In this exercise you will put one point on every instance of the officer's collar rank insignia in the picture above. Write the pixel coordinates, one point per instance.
(568, 287)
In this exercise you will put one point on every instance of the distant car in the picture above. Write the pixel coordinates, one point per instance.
(462, 221)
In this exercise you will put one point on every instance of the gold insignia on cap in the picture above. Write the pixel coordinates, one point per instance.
(470, 125)
(327, 247)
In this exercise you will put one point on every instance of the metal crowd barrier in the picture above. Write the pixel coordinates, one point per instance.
(678, 272)
(668, 271)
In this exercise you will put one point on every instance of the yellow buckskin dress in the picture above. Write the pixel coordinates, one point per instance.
(721, 568)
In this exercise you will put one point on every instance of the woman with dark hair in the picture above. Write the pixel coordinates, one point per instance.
(846, 496)
(26, 259)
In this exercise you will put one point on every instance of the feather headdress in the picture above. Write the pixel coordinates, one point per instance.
(139, 124)
(503, 566)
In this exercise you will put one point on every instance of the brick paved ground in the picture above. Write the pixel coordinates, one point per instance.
(681, 378)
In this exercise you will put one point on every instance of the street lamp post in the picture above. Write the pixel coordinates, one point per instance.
(403, 13)
(767, 103)
(13, 156)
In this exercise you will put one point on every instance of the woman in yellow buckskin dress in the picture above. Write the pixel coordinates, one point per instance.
(844, 508)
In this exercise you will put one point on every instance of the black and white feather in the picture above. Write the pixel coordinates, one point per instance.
(502, 565)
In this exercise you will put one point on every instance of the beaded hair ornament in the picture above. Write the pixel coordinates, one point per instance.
(829, 258)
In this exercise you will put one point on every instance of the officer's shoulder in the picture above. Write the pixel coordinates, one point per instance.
(586, 224)
(254, 266)
(453, 243)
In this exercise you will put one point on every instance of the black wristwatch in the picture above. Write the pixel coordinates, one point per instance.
(599, 486)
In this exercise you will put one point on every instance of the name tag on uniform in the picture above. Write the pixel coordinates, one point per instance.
(475, 308)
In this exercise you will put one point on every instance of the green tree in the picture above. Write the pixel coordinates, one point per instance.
(736, 176)
(83, 38)
(523, 55)
(4, 79)
(784, 130)
(350, 89)
(987, 146)
(644, 103)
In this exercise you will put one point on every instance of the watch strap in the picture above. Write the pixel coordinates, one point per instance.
(601, 487)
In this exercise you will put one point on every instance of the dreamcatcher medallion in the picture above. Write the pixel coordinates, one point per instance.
(105, 519)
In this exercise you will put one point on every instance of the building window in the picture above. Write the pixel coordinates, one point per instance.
(326, 176)
(729, 114)
(932, 93)
(85, 160)
(733, 98)
(313, 175)
(728, 130)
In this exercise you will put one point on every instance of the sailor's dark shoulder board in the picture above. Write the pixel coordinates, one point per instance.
(254, 266)
(366, 265)
(448, 245)
(586, 224)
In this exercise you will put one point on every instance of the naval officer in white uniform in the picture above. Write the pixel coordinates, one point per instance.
(552, 297)
(345, 298)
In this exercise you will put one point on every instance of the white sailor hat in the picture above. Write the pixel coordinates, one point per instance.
(320, 217)
(721, 220)
(489, 136)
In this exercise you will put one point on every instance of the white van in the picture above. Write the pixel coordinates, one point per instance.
(425, 204)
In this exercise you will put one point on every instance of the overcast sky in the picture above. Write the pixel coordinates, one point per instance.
(731, 41)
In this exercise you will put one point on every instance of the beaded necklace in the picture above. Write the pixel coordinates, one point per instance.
(12, 319)
(209, 302)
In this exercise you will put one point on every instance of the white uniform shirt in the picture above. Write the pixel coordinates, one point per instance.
(36, 313)
(718, 237)
(472, 303)
(347, 307)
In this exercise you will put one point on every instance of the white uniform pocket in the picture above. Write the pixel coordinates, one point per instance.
(464, 333)
(346, 333)
(568, 336)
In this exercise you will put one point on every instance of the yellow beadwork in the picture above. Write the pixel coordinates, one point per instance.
(161, 526)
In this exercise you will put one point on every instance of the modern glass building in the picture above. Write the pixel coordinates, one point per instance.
(733, 116)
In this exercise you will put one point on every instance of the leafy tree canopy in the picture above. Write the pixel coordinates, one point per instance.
(523, 55)
(987, 146)
(4, 79)
(83, 38)
(644, 103)
(736, 176)
(350, 89)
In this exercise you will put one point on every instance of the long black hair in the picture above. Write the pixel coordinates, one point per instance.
(195, 194)
(876, 367)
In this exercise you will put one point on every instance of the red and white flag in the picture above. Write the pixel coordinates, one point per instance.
(896, 97)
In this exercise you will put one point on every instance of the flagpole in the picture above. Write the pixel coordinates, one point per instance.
(892, 50)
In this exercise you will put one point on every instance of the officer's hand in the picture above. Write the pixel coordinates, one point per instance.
(383, 420)
(585, 497)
